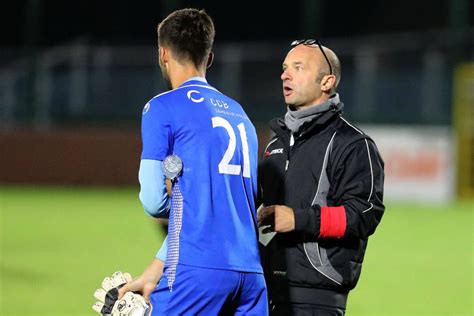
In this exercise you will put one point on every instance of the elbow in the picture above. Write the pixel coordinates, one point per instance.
(154, 207)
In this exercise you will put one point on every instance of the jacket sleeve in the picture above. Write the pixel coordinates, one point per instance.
(357, 192)
(354, 206)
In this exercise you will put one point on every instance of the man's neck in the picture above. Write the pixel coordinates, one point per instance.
(181, 73)
(322, 99)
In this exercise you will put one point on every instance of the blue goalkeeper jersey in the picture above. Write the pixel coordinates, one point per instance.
(215, 216)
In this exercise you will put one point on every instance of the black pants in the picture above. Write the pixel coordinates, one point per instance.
(296, 309)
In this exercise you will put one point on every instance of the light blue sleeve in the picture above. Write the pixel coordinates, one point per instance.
(161, 255)
(153, 195)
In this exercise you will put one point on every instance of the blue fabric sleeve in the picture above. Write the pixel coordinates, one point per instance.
(161, 255)
(157, 136)
(153, 195)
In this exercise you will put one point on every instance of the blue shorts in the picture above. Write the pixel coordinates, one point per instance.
(201, 291)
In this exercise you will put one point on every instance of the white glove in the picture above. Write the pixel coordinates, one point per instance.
(130, 305)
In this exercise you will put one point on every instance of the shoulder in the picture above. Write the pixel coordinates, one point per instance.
(350, 137)
(347, 129)
(352, 142)
(152, 107)
(347, 132)
(159, 109)
(165, 100)
(277, 131)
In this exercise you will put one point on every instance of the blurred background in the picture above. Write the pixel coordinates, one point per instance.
(74, 77)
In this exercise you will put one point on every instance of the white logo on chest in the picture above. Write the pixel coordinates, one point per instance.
(277, 151)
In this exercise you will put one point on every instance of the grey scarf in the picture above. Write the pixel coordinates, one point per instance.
(294, 119)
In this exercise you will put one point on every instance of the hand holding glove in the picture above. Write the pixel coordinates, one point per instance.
(109, 304)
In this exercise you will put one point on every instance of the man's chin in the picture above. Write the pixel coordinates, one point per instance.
(289, 101)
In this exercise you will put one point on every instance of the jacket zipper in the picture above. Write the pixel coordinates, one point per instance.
(288, 152)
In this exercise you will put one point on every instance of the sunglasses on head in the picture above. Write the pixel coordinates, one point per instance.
(311, 42)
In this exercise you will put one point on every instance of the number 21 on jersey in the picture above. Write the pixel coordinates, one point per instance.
(225, 166)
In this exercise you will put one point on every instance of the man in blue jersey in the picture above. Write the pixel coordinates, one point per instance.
(211, 262)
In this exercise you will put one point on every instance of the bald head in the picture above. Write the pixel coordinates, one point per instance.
(306, 76)
(335, 64)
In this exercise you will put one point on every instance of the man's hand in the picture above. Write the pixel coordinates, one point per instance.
(280, 217)
(145, 283)
(130, 304)
(138, 285)
(169, 187)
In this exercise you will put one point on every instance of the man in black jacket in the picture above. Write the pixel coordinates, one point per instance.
(322, 188)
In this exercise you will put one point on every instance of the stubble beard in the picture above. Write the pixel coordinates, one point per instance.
(166, 77)
(291, 102)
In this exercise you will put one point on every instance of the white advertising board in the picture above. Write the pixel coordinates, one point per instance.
(419, 162)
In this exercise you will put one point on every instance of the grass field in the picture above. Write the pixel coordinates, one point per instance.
(57, 244)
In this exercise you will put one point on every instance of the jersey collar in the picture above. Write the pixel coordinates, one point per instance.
(194, 80)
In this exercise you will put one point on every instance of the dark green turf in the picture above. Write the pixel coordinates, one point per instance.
(57, 244)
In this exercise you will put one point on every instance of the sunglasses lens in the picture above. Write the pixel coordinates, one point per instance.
(304, 42)
(296, 42)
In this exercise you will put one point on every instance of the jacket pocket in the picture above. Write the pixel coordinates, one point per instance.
(318, 258)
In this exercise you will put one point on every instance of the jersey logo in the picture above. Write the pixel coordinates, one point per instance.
(274, 151)
(146, 108)
(189, 94)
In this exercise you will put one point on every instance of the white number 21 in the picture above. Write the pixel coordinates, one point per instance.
(225, 166)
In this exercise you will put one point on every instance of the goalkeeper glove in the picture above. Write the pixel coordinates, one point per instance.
(131, 304)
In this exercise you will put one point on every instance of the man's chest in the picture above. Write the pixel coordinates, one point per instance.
(291, 173)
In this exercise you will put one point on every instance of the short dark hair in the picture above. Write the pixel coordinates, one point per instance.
(189, 34)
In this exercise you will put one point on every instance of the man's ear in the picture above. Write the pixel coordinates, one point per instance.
(163, 54)
(210, 59)
(328, 83)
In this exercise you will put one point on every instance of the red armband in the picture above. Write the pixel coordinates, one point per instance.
(333, 222)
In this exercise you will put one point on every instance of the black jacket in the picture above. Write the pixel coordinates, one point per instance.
(331, 163)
